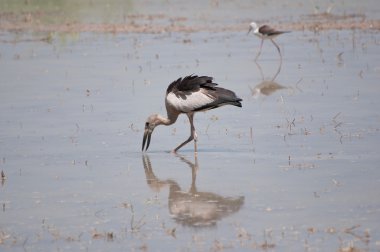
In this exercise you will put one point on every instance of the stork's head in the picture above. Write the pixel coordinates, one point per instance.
(150, 124)
(252, 26)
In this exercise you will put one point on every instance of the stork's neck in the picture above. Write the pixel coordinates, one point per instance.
(168, 120)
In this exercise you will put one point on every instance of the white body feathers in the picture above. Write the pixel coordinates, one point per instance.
(189, 102)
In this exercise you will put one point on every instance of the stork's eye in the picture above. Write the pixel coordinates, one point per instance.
(146, 124)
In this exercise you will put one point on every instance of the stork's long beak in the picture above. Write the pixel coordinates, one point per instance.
(147, 135)
(250, 29)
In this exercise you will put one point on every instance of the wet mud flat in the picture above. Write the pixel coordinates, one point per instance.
(295, 169)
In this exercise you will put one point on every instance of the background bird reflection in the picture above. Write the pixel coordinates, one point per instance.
(268, 85)
(192, 208)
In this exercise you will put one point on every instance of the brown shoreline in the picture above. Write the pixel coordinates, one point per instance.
(145, 24)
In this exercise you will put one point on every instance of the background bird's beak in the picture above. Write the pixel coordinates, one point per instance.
(250, 29)
(147, 135)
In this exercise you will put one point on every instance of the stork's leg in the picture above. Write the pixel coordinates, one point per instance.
(259, 52)
(182, 144)
(193, 134)
(278, 48)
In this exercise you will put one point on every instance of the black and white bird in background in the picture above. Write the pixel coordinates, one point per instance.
(265, 32)
(186, 96)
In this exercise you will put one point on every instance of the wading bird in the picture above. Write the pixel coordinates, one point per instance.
(186, 96)
(265, 32)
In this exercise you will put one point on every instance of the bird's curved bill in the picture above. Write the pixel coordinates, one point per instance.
(146, 139)
(250, 29)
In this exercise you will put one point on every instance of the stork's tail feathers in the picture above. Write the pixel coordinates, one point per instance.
(221, 97)
(226, 96)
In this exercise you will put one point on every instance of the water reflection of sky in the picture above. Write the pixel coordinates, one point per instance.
(304, 158)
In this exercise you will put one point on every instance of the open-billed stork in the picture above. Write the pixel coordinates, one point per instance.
(265, 32)
(186, 96)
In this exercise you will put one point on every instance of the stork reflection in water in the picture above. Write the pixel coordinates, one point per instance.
(189, 95)
(193, 208)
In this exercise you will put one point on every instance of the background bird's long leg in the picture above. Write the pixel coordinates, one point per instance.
(259, 52)
(278, 48)
(192, 131)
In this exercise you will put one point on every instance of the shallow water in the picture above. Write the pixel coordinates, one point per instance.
(293, 170)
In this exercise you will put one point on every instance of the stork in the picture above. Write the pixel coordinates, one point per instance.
(189, 95)
(265, 32)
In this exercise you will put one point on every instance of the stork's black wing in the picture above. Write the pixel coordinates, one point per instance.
(191, 83)
(197, 93)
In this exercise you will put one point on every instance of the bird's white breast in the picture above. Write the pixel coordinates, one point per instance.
(189, 102)
(258, 34)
